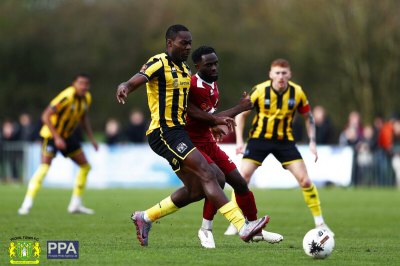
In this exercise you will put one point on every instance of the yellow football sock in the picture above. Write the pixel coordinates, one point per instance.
(232, 212)
(36, 180)
(80, 181)
(161, 209)
(312, 200)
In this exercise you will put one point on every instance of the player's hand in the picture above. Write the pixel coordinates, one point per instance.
(226, 121)
(313, 149)
(239, 148)
(217, 133)
(95, 145)
(245, 102)
(60, 143)
(122, 93)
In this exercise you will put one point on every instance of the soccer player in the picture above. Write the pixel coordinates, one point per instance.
(204, 94)
(60, 119)
(167, 79)
(275, 102)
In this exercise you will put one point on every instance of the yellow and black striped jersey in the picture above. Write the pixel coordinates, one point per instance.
(167, 91)
(275, 111)
(69, 109)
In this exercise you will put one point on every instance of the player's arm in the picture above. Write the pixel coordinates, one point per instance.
(310, 126)
(240, 120)
(128, 86)
(58, 140)
(213, 120)
(244, 104)
(85, 123)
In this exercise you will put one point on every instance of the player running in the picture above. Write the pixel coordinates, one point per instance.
(275, 102)
(204, 94)
(167, 78)
(60, 118)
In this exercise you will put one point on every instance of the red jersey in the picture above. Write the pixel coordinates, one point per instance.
(205, 96)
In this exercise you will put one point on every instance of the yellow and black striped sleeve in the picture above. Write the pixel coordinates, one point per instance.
(152, 68)
(62, 100)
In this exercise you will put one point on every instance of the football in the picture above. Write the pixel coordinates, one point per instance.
(318, 243)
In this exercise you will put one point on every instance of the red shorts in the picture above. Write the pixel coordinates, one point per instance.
(214, 154)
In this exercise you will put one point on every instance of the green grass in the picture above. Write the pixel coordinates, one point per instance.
(366, 223)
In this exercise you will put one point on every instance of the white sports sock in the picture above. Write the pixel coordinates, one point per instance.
(146, 218)
(318, 220)
(27, 204)
(76, 200)
(207, 224)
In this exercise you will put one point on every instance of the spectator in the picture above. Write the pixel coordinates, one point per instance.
(9, 131)
(10, 158)
(324, 128)
(136, 130)
(352, 134)
(26, 129)
(395, 150)
(112, 131)
(365, 157)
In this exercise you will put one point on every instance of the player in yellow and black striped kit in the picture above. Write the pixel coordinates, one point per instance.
(275, 102)
(65, 112)
(167, 78)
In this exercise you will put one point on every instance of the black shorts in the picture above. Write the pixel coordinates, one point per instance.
(50, 149)
(285, 152)
(173, 144)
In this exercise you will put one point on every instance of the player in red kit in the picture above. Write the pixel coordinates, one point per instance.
(204, 95)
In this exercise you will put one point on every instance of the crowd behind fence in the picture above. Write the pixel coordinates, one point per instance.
(376, 145)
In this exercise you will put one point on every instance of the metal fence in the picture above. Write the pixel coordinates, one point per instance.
(12, 161)
(369, 169)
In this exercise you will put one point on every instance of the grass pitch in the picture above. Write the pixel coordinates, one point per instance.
(365, 221)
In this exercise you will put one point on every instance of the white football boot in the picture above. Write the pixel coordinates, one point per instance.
(269, 237)
(206, 238)
(231, 230)
(26, 206)
(76, 206)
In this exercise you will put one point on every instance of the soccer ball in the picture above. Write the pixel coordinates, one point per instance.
(318, 243)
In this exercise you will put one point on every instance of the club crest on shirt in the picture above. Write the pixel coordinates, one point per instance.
(181, 147)
(204, 107)
(175, 83)
(292, 102)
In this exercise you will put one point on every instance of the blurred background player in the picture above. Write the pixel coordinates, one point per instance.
(167, 79)
(275, 102)
(204, 94)
(65, 112)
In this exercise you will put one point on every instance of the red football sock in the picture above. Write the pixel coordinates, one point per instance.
(247, 204)
(208, 210)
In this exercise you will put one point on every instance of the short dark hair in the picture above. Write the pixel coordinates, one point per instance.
(173, 30)
(81, 75)
(199, 52)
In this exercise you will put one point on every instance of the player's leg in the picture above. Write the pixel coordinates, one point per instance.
(205, 232)
(48, 151)
(76, 205)
(246, 202)
(176, 146)
(247, 169)
(291, 160)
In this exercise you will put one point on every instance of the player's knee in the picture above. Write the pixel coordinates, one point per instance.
(305, 182)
